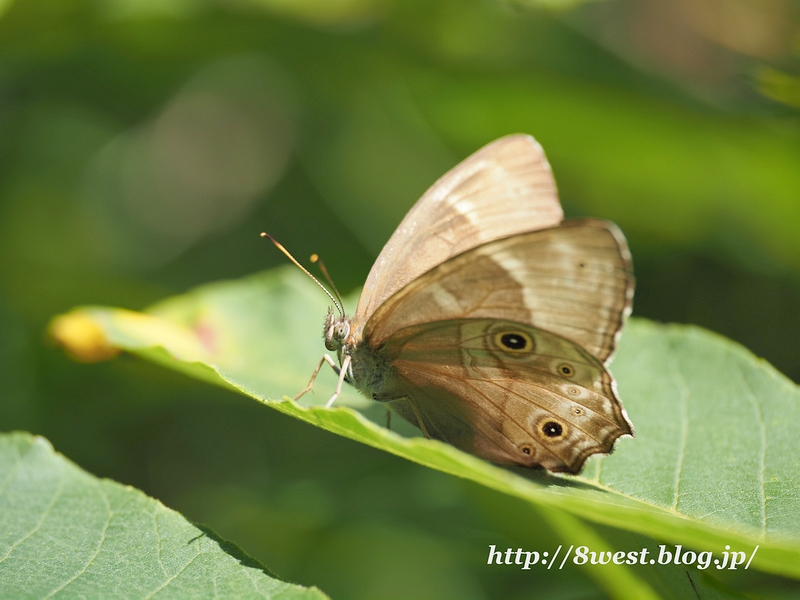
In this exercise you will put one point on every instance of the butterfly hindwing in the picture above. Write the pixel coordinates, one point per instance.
(505, 391)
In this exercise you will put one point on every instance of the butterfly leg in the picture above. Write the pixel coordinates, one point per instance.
(342, 374)
(325, 359)
(419, 418)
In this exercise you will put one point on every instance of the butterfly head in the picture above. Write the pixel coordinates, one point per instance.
(337, 331)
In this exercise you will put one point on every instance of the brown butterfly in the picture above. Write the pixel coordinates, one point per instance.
(487, 322)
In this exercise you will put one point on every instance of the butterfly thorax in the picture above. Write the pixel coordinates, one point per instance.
(368, 370)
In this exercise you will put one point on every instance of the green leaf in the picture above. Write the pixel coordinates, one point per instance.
(524, 528)
(779, 86)
(558, 5)
(715, 461)
(66, 533)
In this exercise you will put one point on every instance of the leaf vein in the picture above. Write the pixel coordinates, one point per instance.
(45, 514)
(763, 454)
(110, 515)
(158, 544)
(680, 381)
(174, 577)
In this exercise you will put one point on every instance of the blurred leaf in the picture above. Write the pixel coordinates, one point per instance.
(715, 460)
(780, 86)
(324, 12)
(87, 341)
(66, 532)
(551, 4)
(668, 581)
(666, 171)
(622, 581)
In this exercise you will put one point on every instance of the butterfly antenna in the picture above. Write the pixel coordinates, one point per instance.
(318, 261)
(280, 247)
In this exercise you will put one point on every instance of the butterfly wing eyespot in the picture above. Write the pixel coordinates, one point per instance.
(565, 370)
(514, 341)
(494, 401)
(551, 429)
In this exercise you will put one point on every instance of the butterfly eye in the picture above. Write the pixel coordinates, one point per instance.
(341, 330)
(565, 370)
(574, 391)
(577, 411)
(515, 341)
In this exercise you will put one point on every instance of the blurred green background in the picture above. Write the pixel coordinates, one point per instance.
(144, 144)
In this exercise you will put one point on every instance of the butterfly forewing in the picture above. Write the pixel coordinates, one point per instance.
(503, 189)
(574, 280)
